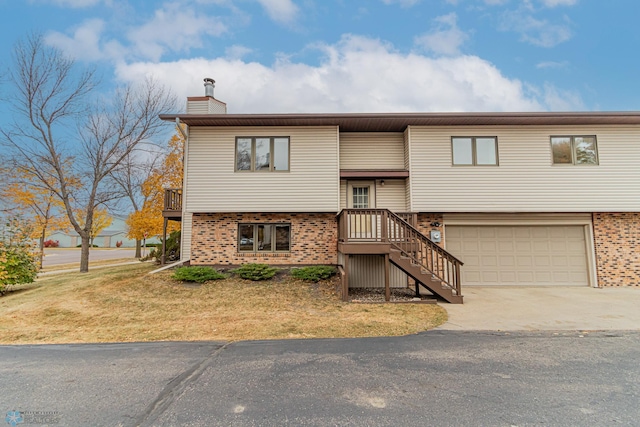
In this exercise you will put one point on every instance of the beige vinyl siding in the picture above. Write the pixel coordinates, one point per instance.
(407, 166)
(391, 195)
(362, 150)
(343, 194)
(367, 271)
(197, 107)
(185, 236)
(310, 185)
(210, 106)
(217, 107)
(526, 180)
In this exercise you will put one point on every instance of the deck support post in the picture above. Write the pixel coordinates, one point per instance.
(164, 241)
(345, 284)
(387, 279)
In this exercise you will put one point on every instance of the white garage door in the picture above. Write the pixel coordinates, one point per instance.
(520, 255)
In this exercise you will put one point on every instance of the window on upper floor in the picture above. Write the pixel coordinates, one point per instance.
(474, 150)
(574, 150)
(264, 237)
(262, 154)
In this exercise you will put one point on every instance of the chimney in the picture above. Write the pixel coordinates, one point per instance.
(209, 85)
(206, 104)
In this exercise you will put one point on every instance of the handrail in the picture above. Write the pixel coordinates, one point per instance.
(173, 199)
(384, 226)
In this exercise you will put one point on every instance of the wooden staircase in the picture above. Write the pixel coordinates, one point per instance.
(381, 231)
(423, 276)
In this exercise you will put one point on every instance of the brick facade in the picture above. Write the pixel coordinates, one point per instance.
(314, 239)
(617, 245)
(424, 225)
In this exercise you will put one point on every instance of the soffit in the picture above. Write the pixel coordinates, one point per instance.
(398, 122)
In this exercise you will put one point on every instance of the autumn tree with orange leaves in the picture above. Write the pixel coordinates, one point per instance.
(36, 205)
(147, 220)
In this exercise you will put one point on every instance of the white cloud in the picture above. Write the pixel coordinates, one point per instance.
(175, 28)
(555, 3)
(561, 100)
(85, 42)
(282, 11)
(237, 52)
(535, 31)
(552, 64)
(495, 2)
(445, 39)
(76, 4)
(402, 3)
(355, 75)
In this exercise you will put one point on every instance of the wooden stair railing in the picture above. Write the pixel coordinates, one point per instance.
(411, 251)
(424, 253)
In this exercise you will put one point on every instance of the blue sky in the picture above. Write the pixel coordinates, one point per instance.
(278, 56)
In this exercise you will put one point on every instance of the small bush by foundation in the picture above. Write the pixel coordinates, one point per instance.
(314, 273)
(255, 272)
(197, 274)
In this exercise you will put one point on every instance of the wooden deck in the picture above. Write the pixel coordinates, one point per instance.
(172, 204)
(382, 232)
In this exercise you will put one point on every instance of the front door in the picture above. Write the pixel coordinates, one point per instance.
(361, 195)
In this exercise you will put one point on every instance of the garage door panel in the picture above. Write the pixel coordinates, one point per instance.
(507, 277)
(540, 246)
(523, 255)
(526, 277)
(540, 233)
(541, 261)
(524, 261)
(470, 246)
(486, 232)
(489, 260)
(507, 261)
(522, 232)
(543, 276)
(490, 276)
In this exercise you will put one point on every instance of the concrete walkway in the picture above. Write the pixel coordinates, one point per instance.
(545, 308)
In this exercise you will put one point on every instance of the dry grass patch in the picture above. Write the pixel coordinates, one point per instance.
(76, 265)
(123, 304)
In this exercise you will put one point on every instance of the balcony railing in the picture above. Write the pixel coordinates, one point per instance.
(172, 203)
(383, 226)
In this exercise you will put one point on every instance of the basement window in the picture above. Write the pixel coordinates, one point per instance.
(264, 237)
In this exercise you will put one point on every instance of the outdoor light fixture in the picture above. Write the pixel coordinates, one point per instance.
(435, 224)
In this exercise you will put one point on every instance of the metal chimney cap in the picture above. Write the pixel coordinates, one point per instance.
(209, 84)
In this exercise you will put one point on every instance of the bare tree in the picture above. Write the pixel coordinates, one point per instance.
(80, 139)
(131, 174)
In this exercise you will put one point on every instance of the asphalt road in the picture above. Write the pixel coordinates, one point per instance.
(440, 378)
(57, 256)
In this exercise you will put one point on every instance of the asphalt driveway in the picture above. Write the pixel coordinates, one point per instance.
(545, 308)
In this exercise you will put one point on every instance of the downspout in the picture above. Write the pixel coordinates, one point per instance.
(178, 123)
(184, 184)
